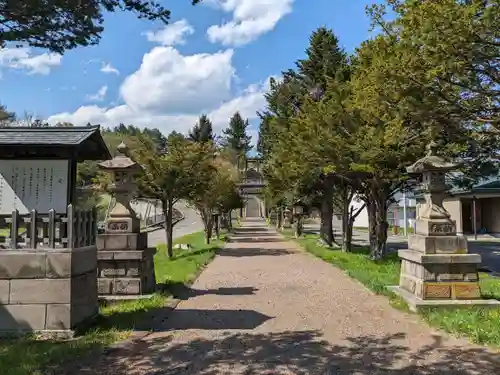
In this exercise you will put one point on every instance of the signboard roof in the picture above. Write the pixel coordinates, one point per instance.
(85, 141)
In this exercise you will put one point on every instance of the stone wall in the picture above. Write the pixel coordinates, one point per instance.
(47, 290)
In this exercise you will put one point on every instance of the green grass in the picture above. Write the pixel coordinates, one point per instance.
(480, 324)
(29, 356)
(186, 264)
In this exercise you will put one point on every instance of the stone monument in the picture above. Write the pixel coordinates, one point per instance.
(436, 269)
(125, 263)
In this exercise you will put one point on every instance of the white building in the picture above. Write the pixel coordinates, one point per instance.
(395, 212)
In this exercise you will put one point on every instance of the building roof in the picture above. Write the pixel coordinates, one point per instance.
(85, 141)
(493, 186)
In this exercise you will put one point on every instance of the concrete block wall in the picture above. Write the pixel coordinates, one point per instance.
(47, 289)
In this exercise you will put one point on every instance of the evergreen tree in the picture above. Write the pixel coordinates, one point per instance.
(236, 137)
(325, 60)
(202, 132)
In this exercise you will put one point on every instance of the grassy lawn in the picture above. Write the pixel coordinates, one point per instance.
(30, 356)
(481, 325)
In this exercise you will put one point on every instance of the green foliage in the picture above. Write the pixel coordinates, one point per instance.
(299, 135)
(236, 137)
(88, 172)
(215, 188)
(443, 69)
(6, 117)
(202, 131)
(63, 25)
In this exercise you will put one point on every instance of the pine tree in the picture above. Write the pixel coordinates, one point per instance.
(236, 137)
(202, 132)
(325, 60)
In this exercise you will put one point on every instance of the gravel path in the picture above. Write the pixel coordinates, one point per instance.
(265, 307)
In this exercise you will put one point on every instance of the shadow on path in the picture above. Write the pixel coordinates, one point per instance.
(184, 292)
(252, 252)
(293, 352)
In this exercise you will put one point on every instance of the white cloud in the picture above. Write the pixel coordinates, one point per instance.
(99, 95)
(172, 34)
(108, 68)
(23, 59)
(248, 103)
(168, 81)
(251, 18)
(171, 90)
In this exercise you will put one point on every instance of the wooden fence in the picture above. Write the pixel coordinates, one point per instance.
(74, 229)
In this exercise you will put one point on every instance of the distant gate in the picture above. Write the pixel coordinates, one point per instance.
(251, 188)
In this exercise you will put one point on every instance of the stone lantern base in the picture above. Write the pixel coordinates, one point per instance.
(437, 270)
(125, 265)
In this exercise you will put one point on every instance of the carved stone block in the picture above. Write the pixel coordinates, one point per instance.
(442, 227)
(437, 291)
(466, 291)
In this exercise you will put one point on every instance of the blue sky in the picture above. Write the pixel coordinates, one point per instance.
(214, 58)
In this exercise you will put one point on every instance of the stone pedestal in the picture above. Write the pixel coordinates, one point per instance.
(47, 290)
(125, 265)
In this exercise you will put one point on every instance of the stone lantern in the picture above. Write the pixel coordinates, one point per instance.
(436, 269)
(125, 263)
(123, 188)
(287, 218)
(299, 212)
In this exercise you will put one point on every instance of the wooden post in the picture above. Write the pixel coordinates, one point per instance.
(70, 229)
(83, 228)
(33, 231)
(474, 217)
(14, 227)
(51, 229)
(93, 226)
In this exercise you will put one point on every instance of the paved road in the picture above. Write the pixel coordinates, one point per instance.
(265, 307)
(191, 223)
(489, 250)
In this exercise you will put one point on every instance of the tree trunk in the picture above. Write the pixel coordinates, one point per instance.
(379, 250)
(217, 227)
(372, 232)
(326, 231)
(346, 215)
(169, 228)
(208, 227)
(279, 222)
